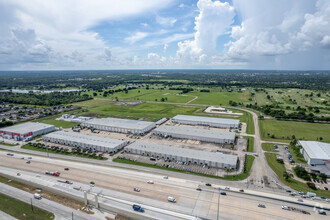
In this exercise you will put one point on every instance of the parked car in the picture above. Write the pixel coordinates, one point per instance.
(150, 182)
(136, 189)
(261, 205)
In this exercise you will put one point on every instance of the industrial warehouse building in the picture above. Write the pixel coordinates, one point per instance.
(207, 121)
(119, 125)
(89, 142)
(212, 159)
(317, 155)
(213, 136)
(26, 130)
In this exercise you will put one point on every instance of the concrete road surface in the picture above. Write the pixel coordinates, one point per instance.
(60, 211)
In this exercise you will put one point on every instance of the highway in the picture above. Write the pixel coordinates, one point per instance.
(119, 183)
(60, 211)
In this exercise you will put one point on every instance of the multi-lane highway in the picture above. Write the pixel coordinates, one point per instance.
(119, 183)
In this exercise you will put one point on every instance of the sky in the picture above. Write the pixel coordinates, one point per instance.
(164, 34)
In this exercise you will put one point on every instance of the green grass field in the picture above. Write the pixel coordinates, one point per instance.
(250, 144)
(268, 147)
(283, 130)
(6, 144)
(22, 210)
(294, 184)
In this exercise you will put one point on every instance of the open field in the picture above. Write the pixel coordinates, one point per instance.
(268, 147)
(7, 144)
(58, 123)
(22, 210)
(283, 130)
(294, 184)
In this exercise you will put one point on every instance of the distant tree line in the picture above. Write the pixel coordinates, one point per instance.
(45, 99)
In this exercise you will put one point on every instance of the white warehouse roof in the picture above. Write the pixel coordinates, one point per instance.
(207, 119)
(27, 127)
(188, 153)
(120, 123)
(86, 139)
(197, 132)
(316, 150)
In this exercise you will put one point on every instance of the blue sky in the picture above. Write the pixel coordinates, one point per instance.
(129, 34)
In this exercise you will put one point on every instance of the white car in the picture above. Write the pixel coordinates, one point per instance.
(150, 182)
(37, 196)
(171, 199)
(285, 207)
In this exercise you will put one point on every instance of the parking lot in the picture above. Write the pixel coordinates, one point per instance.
(189, 167)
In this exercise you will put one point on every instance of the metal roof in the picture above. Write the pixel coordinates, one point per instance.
(27, 127)
(197, 132)
(207, 119)
(86, 139)
(120, 123)
(183, 152)
(316, 150)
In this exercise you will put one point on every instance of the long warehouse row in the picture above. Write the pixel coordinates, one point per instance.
(138, 127)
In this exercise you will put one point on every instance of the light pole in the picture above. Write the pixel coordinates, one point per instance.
(218, 205)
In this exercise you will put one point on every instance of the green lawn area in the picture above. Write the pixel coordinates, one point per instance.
(150, 111)
(219, 97)
(245, 174)
(283, 130)
(58, 123)
(22, 210)
(250, 144)
(268, 147)
(297, 156)
(294, 184)
(30, 147)
(6, 144)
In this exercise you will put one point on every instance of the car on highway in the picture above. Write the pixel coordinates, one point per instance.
(327, 200)
(171, 199)
(322, 212)
(66, 168)
(30, 158)
(301, 193)
(68, 182)
(227, 188)
(261, 205)
(37, 196)
(150, 182)
(223, 193)
(300, 200)
(304, 196)
(92, 183)
(285, 207)
(322, 197)
(288, 191)
(22, 158)
(208, 184)
(199, 189)
(28, 162)
(136, 189)
(316, 198)
(18, 174)
(165, 177)
(10, 154)
(241, 190)
(137, 208)
(293, 194)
